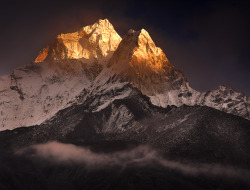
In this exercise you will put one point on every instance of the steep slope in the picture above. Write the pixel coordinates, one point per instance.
(227, 100)
(188, 139)
(138, 61)
(95, 62)
(194, 133)
(92, 42)
(35, 92)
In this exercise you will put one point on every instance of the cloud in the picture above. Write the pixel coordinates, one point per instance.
(60, 153)
(63, 153)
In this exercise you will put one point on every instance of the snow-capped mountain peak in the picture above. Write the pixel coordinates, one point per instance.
(137, 50)
(92, 42)
(94, 64)
(139, 61)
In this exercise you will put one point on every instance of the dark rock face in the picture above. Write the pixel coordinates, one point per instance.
(194, 132)
(188, 134)
(227, 100)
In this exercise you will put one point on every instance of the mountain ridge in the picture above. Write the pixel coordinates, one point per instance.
(123, 119)
(89, 43)
(35, 92)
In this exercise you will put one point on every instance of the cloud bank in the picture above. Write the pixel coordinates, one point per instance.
(60, 153)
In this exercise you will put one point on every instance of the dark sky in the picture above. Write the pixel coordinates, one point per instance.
(208, 40)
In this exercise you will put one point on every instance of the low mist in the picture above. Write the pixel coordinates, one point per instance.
(60, 153)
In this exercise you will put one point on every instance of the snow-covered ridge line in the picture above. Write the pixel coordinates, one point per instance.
(95, 62)
(92, 42)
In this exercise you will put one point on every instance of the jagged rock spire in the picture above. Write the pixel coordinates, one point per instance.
(95, 41)
(141, 52)
(138, 60)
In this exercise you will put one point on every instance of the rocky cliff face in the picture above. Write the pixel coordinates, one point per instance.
(227, 100)
(62, 71)
(139, 61)
(94, 63)
(92, 42)
(192, 133)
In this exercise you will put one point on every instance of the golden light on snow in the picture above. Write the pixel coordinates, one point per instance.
(91, 42)
(146, 55)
